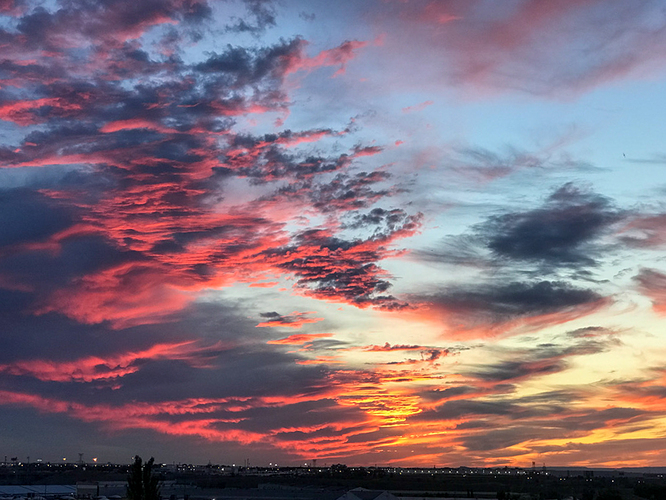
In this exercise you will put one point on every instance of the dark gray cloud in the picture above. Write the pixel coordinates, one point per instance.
(239, 66)
(262, 14)
(346, 192)
(28, 216)
(333, 268)
(264, 159)
(293, 320)
(383, 221)
(545, 415)
(562, 232)
(227, 358)
(44, 269)
(108, 22)
(565, 232)
(477, 413)
(590, 332)
(540, 360)
(602, 418)
(504, 438)
(551, 423)
(514, 370)
(307, 17)
(357, 187)
(498, 303)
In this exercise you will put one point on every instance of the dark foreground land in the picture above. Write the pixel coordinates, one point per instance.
(187, 482)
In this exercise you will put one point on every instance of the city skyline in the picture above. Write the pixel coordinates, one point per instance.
(370, 232)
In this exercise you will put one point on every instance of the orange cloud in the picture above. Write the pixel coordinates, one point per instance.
(300, 339)
(267, 284)
(320, 360)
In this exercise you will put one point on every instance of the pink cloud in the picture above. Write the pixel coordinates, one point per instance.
(125, 295)
(653, 284)
(557, 49)
(338, 56)
(417, 107)
(93, 368)
(26, 112)
(647, 231)
(366, 151)
(134, 123)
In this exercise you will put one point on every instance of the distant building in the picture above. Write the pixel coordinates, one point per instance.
(363, 494)
(87, 490)
(110, 489)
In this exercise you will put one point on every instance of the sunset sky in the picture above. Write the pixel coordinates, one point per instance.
(367, 232)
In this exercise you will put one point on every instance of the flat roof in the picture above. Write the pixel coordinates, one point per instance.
(38, 489)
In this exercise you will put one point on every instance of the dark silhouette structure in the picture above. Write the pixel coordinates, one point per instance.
(142, 484)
